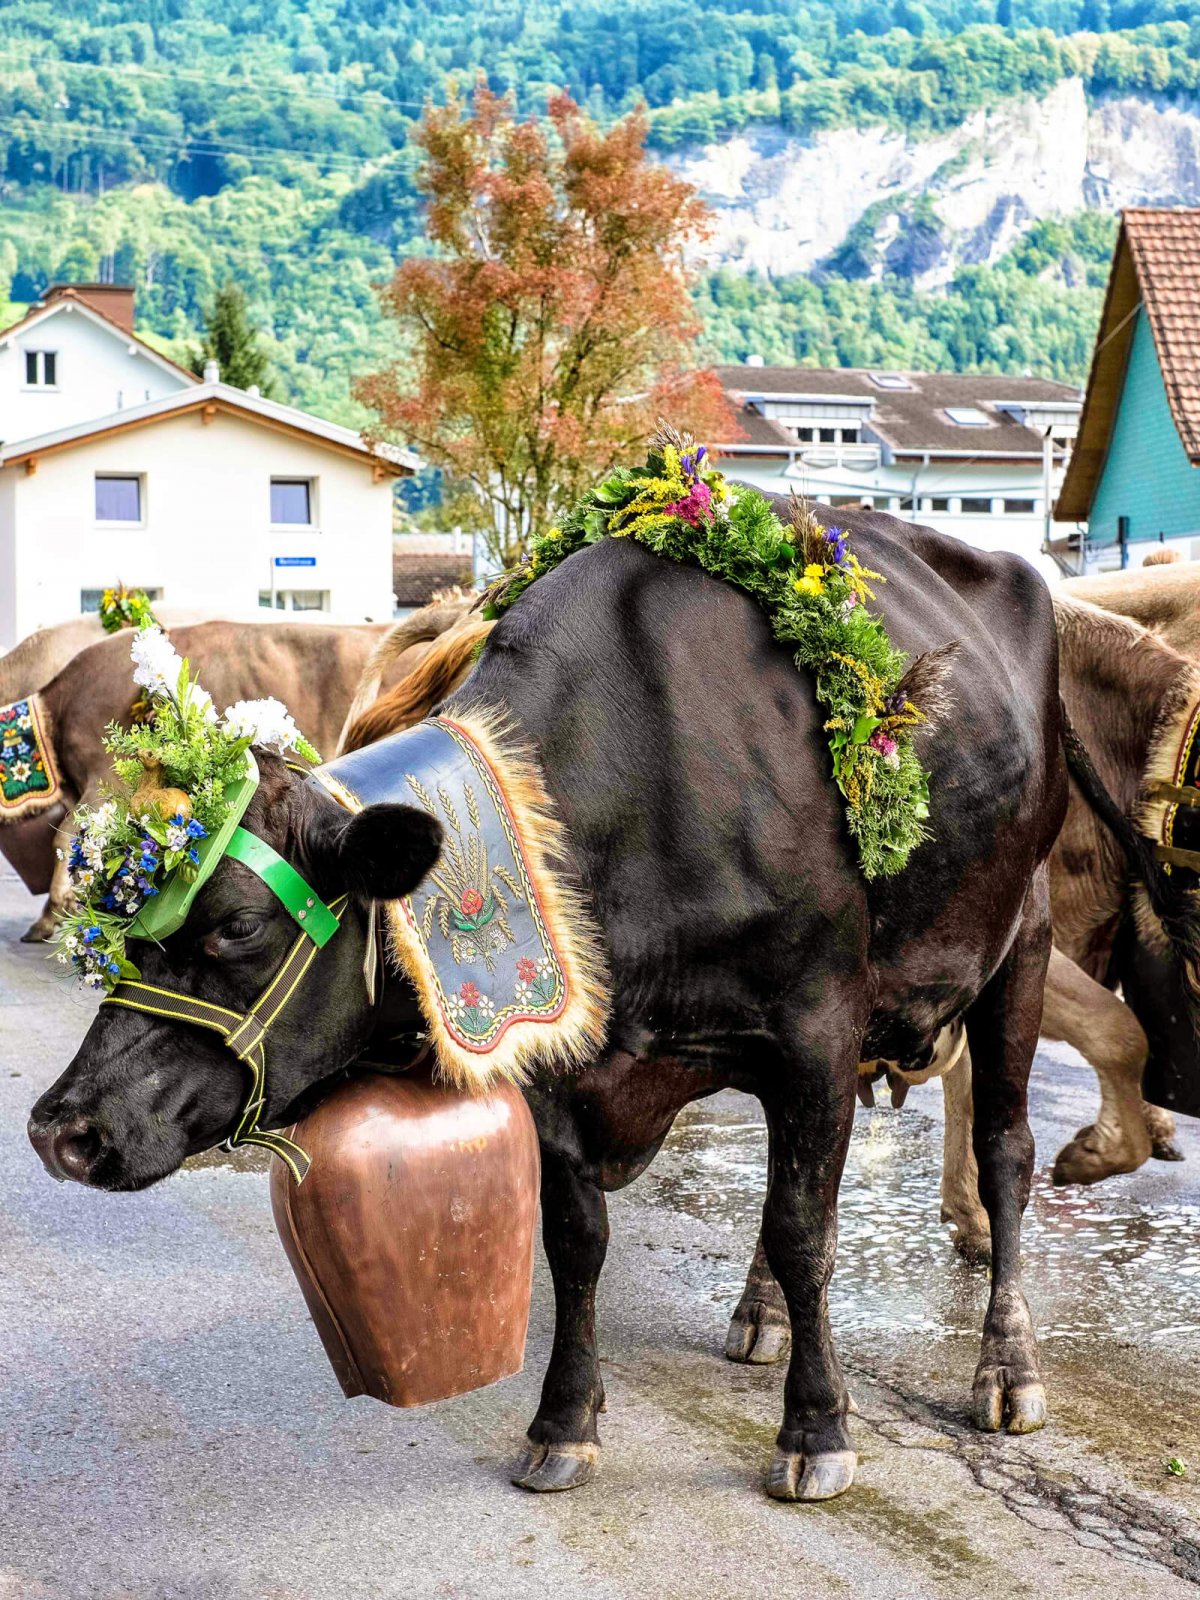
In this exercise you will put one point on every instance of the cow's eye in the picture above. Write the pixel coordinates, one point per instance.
(236, 937)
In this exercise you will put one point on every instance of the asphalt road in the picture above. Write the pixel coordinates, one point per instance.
(171, 1431)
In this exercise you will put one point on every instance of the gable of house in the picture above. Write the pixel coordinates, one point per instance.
(1147, 476)
(68, 361)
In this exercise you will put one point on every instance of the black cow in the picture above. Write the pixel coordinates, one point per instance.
(687, 758)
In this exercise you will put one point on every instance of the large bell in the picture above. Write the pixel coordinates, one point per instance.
(412, 1235)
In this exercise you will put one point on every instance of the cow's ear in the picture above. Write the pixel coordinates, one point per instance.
(386, 850)
(381, 853)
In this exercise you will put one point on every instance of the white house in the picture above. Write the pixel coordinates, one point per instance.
(202, 494)
(975, 456)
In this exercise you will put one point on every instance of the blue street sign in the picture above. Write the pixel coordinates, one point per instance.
(295, 561)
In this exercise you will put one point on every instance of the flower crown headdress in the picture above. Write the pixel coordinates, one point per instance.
(184, 779)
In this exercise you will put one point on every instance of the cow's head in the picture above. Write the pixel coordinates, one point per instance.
(144, 1092)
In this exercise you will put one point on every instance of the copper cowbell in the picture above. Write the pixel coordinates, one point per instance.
(412, 1235)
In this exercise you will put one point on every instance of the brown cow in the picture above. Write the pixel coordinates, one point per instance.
(312, 667)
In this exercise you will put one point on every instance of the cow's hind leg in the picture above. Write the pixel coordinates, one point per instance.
(759, 1330)
(1002, 1028)
(810, 1127)
(563, 1445)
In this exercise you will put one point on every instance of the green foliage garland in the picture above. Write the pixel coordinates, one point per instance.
(815, 592)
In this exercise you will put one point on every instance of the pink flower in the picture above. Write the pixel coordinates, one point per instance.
(696, 506)
(469, 994)
(471, 903)
(885, 746)
(526, 969)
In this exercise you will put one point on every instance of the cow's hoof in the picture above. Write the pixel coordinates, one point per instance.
(1166, 1150)
(793, 1476)
(992, 1398)
(549, 1469)
(39, 932)
(1085, 1160)
(757, 1338)
(973, 1241)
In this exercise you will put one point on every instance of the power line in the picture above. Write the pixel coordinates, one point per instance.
(198, 144)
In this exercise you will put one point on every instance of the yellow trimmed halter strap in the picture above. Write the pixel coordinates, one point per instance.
(245, 1033)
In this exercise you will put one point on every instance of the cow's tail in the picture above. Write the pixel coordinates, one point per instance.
(1169, 895)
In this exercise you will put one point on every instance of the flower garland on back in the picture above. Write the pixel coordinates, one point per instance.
(815, 592)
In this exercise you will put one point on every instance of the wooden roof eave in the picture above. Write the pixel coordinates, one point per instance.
(1105, 382)
(207, 408)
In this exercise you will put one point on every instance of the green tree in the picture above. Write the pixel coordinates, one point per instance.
(233, 341)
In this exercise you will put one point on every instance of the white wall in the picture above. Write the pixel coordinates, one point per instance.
(96, 375)
(206, 539)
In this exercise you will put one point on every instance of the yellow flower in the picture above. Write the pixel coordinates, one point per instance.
(813, 580)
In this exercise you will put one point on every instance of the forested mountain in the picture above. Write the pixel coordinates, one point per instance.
(177, 143)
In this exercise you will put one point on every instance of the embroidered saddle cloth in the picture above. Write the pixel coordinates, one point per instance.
(28, 776)
(501, 950)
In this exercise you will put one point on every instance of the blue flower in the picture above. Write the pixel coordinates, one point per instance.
(90, 935)
(150, 890)
(837, 538)
(194, 856)
(196, 830)
(113, 968)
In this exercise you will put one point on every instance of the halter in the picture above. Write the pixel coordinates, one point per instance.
(1180, 842)
(245, 1032)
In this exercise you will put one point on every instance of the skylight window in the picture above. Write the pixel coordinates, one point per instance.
(890, 380)
(968, 417)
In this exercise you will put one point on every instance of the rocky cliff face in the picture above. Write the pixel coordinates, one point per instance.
(885, 203)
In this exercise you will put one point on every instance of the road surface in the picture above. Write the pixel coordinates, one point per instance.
(171, 1430)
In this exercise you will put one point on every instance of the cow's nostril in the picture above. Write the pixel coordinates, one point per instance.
(68, 1149)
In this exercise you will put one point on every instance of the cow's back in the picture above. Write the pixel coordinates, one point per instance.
(689, 758)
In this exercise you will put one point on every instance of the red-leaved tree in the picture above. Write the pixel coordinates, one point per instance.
(552, 328)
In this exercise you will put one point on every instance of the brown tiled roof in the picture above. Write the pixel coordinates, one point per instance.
(910, 420)
(1156, 265)
(416, 577)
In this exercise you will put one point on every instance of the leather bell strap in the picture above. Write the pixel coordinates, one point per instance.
(244, 1033)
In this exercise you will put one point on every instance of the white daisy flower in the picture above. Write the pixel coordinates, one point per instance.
(267, 722)
(157, 664)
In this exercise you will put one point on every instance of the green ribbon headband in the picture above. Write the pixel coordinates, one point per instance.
(311, 914)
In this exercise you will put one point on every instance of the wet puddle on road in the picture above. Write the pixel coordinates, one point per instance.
(1096, 1260)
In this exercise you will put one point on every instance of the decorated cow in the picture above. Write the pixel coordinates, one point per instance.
(674, 834)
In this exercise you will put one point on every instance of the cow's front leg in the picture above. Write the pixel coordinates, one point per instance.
(1002, 1028)
(810, 1132)
(563, 1445)
(759, 1330)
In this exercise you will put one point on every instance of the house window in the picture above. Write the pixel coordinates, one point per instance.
(937, 502)
(968, 417)
(890, 380)
(291, 502)
(849, 435)
(1018, 508)
(118, 499)
(89, 599)
(827, 435)
(976, 507)
(295, 599)
(804, 435)
(41, 369)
